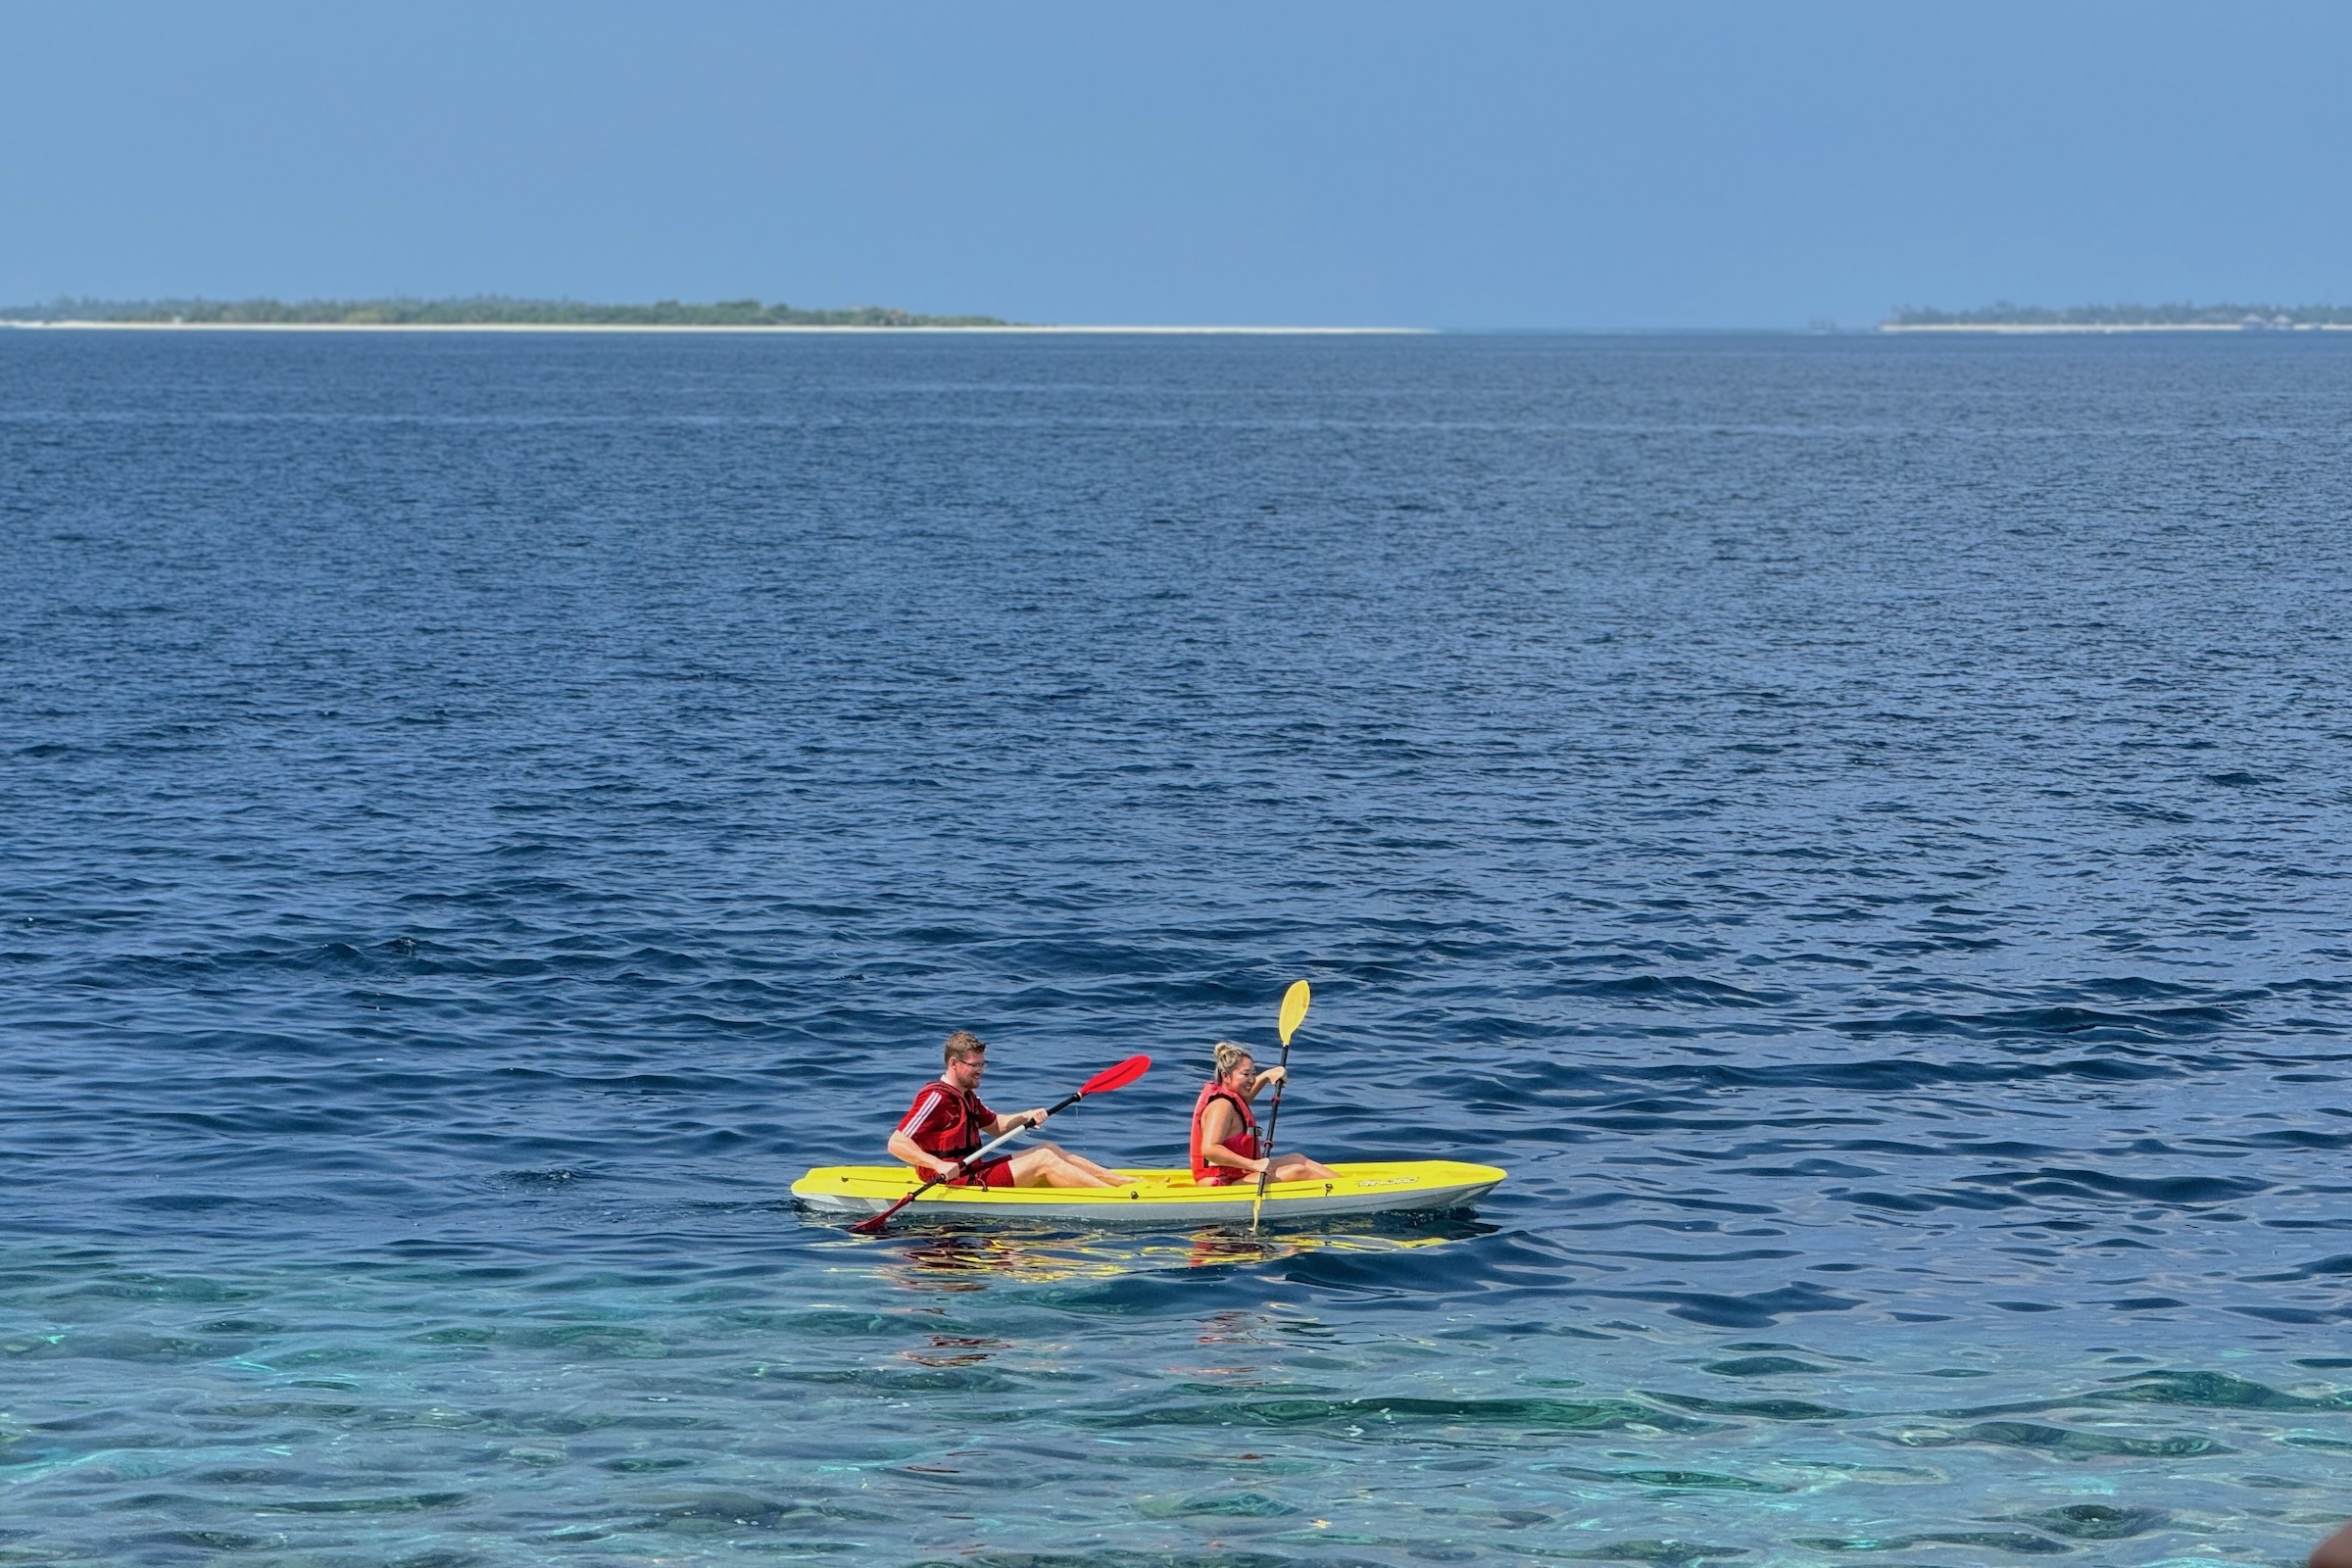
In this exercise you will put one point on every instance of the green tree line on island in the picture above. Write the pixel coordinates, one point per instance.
(480, 309)
(2004, 314)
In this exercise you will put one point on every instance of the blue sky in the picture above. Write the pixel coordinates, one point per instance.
(1663, 164)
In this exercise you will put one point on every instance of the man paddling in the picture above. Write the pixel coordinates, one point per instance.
(947, 1122)
(1225, 1140)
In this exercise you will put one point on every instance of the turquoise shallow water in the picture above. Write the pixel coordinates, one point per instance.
(961, 1398)
(1856, 828)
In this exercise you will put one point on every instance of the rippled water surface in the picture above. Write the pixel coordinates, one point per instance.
(1858, 828)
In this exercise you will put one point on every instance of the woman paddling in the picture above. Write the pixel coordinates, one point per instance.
(1225, 1141)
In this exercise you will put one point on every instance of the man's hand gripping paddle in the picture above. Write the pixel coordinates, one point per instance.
(1294, 1014)
(1117, 1076)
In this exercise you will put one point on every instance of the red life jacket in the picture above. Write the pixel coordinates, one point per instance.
(1243, 1143)
(946, 1121)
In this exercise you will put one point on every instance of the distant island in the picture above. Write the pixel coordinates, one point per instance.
(2004, 317)
(480, 309)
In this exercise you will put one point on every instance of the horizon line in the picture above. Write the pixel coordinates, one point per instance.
(754, 329)
(1145, 330)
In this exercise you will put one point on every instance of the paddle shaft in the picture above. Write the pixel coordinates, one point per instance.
(869, 1226)
(1273, 1120)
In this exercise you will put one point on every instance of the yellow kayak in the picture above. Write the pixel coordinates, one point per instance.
(1155, 1197)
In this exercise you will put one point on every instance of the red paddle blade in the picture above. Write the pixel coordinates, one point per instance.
(1117, 1076)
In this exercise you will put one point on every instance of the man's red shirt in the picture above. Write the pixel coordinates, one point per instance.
(947, 1121)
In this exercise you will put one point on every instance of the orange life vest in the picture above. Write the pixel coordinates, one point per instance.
(1243, 1143)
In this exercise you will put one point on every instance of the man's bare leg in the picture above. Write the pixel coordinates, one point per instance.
(1109, 1178)
(1076, 1172)
(1049, 1166)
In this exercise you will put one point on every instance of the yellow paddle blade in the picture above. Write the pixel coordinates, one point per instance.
(1294, 1008)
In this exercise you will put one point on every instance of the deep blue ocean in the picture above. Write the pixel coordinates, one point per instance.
(1860, 828)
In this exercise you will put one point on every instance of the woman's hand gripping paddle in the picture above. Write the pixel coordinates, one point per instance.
(1117, 1076)
(1294, 1014)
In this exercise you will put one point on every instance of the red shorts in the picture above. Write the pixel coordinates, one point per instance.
(1219, 1176)
(996, 1172)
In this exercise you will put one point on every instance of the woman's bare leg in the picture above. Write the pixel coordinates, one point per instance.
(1299, 1168)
